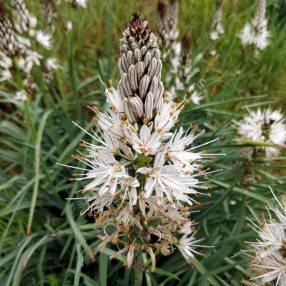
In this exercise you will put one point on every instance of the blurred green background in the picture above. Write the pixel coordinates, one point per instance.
(43, 239)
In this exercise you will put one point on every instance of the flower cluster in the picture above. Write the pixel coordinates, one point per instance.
(264, 126)
(178, 54)
(268, 253)
(256, 32)
(19, 39)
(143, 176)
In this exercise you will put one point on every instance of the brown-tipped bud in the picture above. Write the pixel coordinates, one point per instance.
(140, 65)
(218, 3)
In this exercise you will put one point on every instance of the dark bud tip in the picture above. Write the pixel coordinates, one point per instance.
(218, 3)
(161, 8)
(2, 9)
(138, 27)
(186, 43)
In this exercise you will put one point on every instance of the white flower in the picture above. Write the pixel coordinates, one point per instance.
(5, 61)
(5, 75)
(69, 25)
(217, 28)
(23, 43)
(188, 243)
(115, 99)
(81, 3)
(111, 124)
(196, 97)
(176, 57)
(146, 143)
(264, 126)
(167, 117)
(33, 21)
(213, 52)
(256, 32)
(32, 58)
(104, 175)
(166, 180)
(268, 253)
(178, 84)
(21, 95)
(43, 39)
(52, 64)
(246, 35)
(181, 157)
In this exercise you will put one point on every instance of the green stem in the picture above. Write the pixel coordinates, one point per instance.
(138, 277)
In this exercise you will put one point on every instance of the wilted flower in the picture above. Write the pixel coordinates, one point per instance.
(268, 253)
(256, 32)
(264, 126)
(143, 176)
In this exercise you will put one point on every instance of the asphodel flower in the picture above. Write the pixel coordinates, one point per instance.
(21, 45)
(217, 28)
(256, 32)
(176, 53)
(268, 253)
(264, 126)
(143, 176)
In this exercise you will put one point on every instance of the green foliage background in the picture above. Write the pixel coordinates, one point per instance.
(43, 238)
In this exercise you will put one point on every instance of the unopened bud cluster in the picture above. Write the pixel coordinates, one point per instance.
(140, 66)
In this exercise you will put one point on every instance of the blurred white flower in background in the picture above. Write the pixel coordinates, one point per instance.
(217, 28)
(256, 32)
(44, 39)
(176, 52)
(69, 25)
(264, 126)
(268, 253)
(19, 35)
(21, 95)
